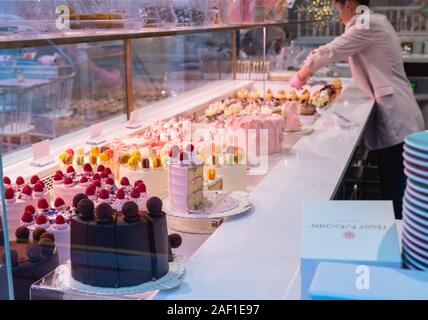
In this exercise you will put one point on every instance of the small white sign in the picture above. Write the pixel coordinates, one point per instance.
(40, 149)
(41, 154)
(96, 130)
(134, 120)
(96, 134)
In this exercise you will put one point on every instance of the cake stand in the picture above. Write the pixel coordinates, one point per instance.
(63, 282)
(217, 207)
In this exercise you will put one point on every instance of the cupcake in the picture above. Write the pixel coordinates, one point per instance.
(34, 179)
(58, 179)
(59, 204)
(104, 196)
(87, 169)
(268, 95)
(124, 183)
(60, 223)
(42, 205)
(70, 171)
(292, 96)
(109, 184)
(30, 209)
(42, 222)
(282, 96)
(68, 182)
(305, 96)
(84, 182)
(20, 182)
(91, 193)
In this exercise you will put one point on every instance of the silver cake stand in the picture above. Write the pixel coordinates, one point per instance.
(217, 207)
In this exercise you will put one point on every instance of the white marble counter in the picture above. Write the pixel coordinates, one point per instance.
(256, 256)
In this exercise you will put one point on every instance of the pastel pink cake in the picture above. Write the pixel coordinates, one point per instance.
(19, 195)
(238, 127)
(185, 184)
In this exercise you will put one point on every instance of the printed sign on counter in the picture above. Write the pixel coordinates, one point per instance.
(342, 281)
(362, 232)
(96, 134)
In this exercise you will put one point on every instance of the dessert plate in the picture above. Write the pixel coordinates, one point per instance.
(416, 153)
(415, 209)
(171, 280)
(218, 204)
(414, 160)
(304, 130)
(416, 218)
(418, 140)
(419, 187)
(418, 170)
(416, 177)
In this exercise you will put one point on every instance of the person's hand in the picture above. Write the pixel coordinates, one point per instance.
(296, 82)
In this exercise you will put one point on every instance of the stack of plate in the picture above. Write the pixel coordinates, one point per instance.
(415, 202)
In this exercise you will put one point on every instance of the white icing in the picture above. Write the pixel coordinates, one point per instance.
(62, 226)
(9, 201)
(43, 226)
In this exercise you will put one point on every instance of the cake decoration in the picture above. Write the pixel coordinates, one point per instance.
(48, 235)
(38, 190)
(27, 193)
(20, 182)
(34, 253)
(130, 211)
(96, 184)
(87, 168)
(37, 233)
(100, 169)
(77, 198)
(175, 240)
(30, 209)
(103, 196)
(124, 182)
(120, 194)
(6, 182)
(34, 180)
(104, 213)
(59, 204)
(154, 206)
(96, 176)
(42, 221)
(68, 182)
(70, 171)
(27, 219)
(9, 195)
(22, 234)
(47, 246)
(85, 209)
(83, 182)
(58, 179)
(90, 193)
(60, 223)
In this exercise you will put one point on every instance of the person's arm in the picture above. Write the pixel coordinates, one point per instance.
(349, 43)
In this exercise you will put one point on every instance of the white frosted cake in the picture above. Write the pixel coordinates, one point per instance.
(185, 183)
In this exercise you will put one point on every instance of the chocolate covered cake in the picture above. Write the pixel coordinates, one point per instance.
(31, 259)
(115, 250)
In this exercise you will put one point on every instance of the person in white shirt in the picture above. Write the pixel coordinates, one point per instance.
(373, 50)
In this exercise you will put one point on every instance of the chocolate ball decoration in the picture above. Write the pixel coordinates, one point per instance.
(104, 213)
(37, 233)
(34, 253)
(85, 209)
(48, 235)
(22, 234)
(130, 211)
(47, 247)
(175, 240)
(154, 206)
(77, 198)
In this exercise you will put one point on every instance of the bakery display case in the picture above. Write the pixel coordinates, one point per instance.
(141, 130)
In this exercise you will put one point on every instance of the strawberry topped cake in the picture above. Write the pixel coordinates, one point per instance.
(19, 196)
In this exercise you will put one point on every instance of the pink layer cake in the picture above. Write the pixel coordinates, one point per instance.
(238, 131)
(185, 183)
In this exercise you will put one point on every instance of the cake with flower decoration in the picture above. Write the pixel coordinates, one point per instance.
(19, 195)
(32, 259)
(113, 250)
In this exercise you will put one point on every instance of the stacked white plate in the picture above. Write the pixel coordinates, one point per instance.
(415, 202)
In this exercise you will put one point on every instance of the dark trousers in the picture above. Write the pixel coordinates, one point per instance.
(392, 177)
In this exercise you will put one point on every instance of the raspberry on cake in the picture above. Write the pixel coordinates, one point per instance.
(27, 219)
(87, 168)
(31, 209)
(20, 182)
(124, 182)
(58, 179)
(84, 182)
(104, 196)
(6, 181)
(100, 168)
(70, 171)
(59, 204)
(42, 222)
(91, 193)
(43, 205)
(96, 176)
(9, 195)
(38, 190)
(96, 184)
(68, 182)
(34, 180)
(27, 193)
